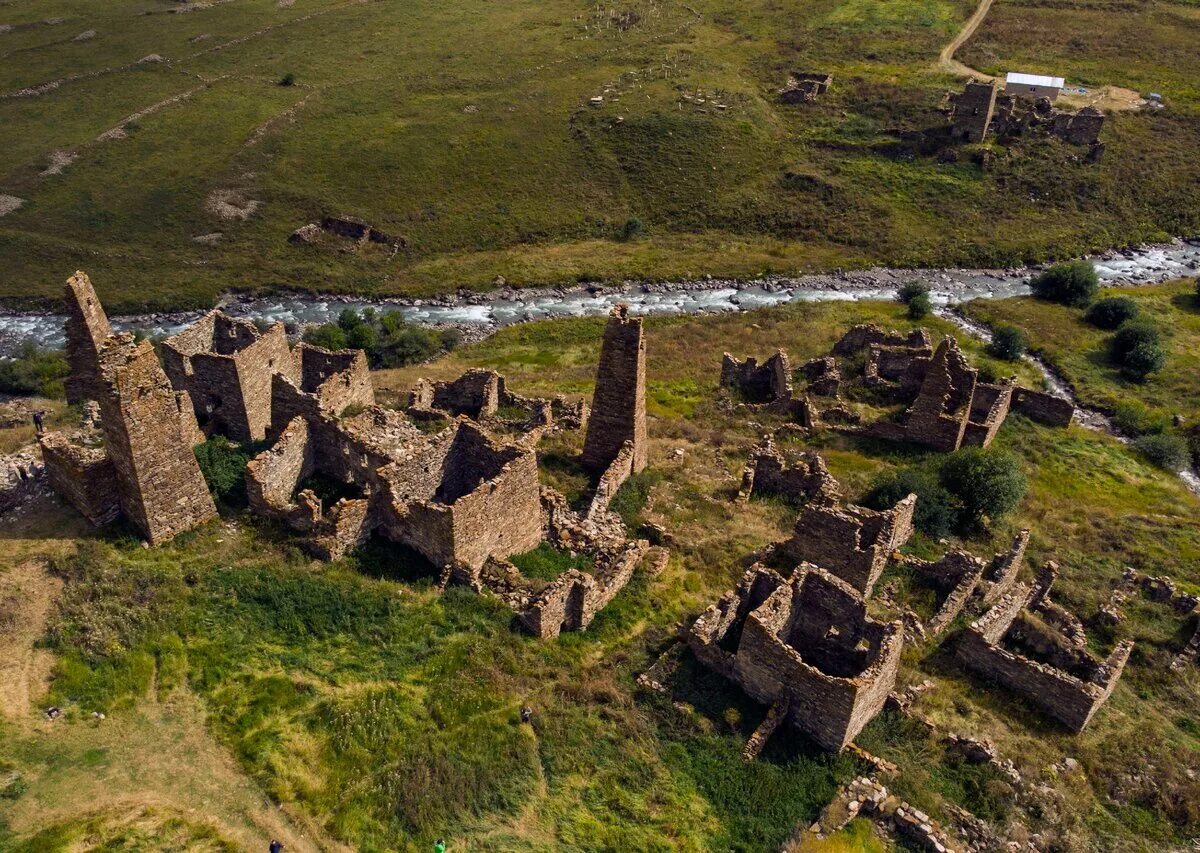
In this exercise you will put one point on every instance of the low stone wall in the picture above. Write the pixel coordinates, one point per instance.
(83, 476)
(1043, 408)
(573, 600)
(768, 473)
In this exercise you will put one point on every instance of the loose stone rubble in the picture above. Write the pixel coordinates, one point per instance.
(805, 87)
(1161, 590)
(865, 797)
(358, 232)
(768, 473)
(484, 396)
(22, 477)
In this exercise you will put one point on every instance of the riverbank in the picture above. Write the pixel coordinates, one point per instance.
(478, 314)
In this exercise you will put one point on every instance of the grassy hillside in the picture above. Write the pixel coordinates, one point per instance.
(468, 129)
(384, 714)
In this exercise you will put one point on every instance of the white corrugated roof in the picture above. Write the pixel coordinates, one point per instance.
(1034, 80)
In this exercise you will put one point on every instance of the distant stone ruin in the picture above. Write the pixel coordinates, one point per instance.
(948, 407)
(149, 430)
(981, 109)
(805, 87)
(768, 473)
(804, 646)
(352, 229)
(766, 384)
(484, 396)
(1038, 650)
(225, 365)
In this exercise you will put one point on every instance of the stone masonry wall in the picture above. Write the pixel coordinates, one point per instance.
(973, 110)
(83, 476)
(87, 330)
(1043, 408)
(766, 383)
(768, 473)
(149, 434)
(618, 412)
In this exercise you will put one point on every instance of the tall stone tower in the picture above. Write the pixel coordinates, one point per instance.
(149, 431)
(619, 404)
(87, 330)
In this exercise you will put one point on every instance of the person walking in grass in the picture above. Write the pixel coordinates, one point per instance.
(39, 419)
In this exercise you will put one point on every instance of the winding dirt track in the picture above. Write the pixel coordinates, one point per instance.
(946, 60)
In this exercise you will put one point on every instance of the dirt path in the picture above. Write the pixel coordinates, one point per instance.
(27, 593)
(946, 60)
(1108, 98)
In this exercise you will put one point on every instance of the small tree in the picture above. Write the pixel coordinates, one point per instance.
(911, 291)
(1008, 343)
(919, 306)
(986, 483)
(1137, 349)
(1111, 312)
(935, 514)
(1142, 360)
(632, 229)
(223, 465)
(327, 335)
(1073, 283)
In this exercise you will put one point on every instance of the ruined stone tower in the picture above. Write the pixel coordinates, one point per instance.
(87, 330)
(619, 404)
(149, 431)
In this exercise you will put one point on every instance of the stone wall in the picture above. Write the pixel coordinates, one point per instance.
(476, 394)
(954, 578)
(323, 381)
(82, 475)
(150, 431)
(618, 412)
(864, 335)
(767, 473)
(1069, 699)
(1042, 407)
(851, 542)
(989, 409)
(226, 366)
(273, 476)
(973, 109)
(573, 600)
(87, 330)
(769, 382)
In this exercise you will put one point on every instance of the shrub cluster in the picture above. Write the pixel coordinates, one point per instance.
(1137, 349)
(1073, 283)
(35, 371)
(387, 338)
(1110, 312)
(223, 465)
(1169, 452)
(1008, 343)
(958, 492)
(915, 295)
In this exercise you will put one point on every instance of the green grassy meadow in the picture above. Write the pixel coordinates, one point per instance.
(379, 713)
(468, 129)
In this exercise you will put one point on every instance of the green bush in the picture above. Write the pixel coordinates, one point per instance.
(1111, 312)
(1135, 418)
(1137, 349)
(288, 79)
(919, 306)
(1073, 283)
(223, 465)
(935, 515)
(1008, 343)
(388, 339)
(986, 483)
(35, 371)
(631, 230)
(1169, 452)
(911, 291)
(327, 336)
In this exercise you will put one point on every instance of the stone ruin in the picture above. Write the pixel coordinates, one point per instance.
(618, 412)
(981, 109)
(225, 365)
(767, 384)
(1160, 590)
(865, 797)
(144, 468)
(358, 232)
(948, 407)
(804, 646)
(852, 542)
(768, 473)
(484, 396)
(22, 477)
(340, 468)
(805, 87)
(1038, 650)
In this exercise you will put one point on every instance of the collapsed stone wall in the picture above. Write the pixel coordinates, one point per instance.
(618, 411)
(483, 395)
(324, 381)
(768, 473)
(476, 394)
(81, 473)
(806, 642)
(1069, 698)
(973, 109)
(954, 578)
(226, 365)
(770, 382)
(804, 87)
(1042, 407)
(850, 541)
(863, 335)
(572, 601)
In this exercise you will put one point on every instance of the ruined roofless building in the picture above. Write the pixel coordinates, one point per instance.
(226, 364)
(973, 110)
(618, 410)
(149, 428)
